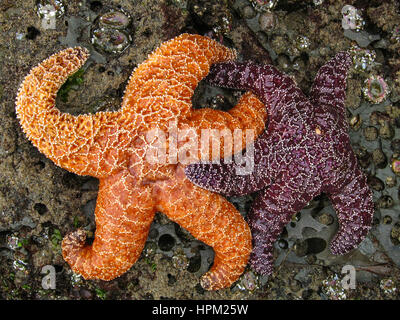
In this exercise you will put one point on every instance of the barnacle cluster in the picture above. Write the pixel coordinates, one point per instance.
(110, 33)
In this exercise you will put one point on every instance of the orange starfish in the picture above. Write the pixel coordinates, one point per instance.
(112, 146)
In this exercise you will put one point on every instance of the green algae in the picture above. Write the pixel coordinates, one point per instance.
(72, 83)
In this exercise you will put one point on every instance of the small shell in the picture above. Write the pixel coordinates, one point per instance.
(114, 20)
(110, 40)
(387, 220)
(385, 202)
(302, 43)
(180, 261)
(390, 181)
(395, 165)
(267, 21)
(355, 122)
(264, 5)
(375, 183)
(249, 281)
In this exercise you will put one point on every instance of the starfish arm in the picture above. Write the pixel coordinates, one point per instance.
(233, 178)
(355, 209)
(76, 143)
(248, 116)
(124, 212)
(166, 81)
(329, 88)
(222, 178)
(271, 211)
(270, 85)
(211, 219)
(234, 75)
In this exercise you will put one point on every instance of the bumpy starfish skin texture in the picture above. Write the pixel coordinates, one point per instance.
(305, 150)
(113, 146)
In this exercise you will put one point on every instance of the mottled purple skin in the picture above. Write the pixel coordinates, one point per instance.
(304, 151)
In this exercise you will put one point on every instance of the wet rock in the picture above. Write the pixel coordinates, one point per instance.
(166, 242)
(386, 131)
(385, 202)
(282, 244)
(212, 15)
(387, 220)
(393, 112)
(32, 33)
(171, 280)
(280, 44)
(390, 181)
(362, 38)
(370, 133)
(248, 12)
(95, 6)
(303, 277)
(363, 156)
(85, 294)
(153, 233)
(395, 145)
(301, 248)
(325, 218)
(375, 183)
(295, 285)
(194, 264)
(315, 245)
(267, 21)
(379, 158)
(283, 62)
(378, 117)
(353, 96)
(367, 247)
(395, 234)
(7, 139)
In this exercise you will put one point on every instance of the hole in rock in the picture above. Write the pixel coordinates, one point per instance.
(166, 242)
(315, 245)
(40, 208)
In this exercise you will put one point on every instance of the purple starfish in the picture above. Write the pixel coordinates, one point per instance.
(304, 151)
